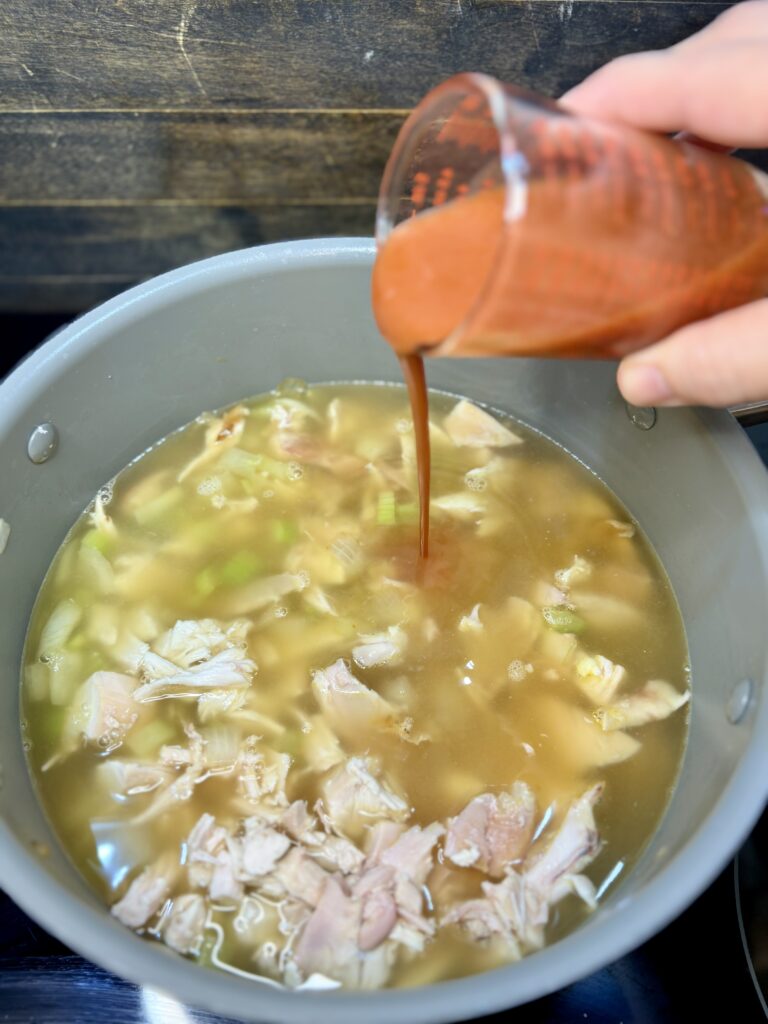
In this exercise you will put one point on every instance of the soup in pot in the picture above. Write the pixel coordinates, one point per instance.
(275, 739)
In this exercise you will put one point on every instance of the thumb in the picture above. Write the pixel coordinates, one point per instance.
(718, 362)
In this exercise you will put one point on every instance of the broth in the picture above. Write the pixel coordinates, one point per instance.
(184, 691)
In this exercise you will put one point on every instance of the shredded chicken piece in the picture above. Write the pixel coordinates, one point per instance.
(194, 657)
(623, 529)
(262, 775)
(411, 854)
(515, 911)
(298, 876)
(354, 796)
(214, 704)
(252, 597)
(350, 707)
(183, 786)
(469, 426)
(314, 452)
(183, 927)
(321, 747)
(228, 668)
(332, 851)
(599, 678)
(580, 569)
(203, 844)
(380, 649)
(655, 701)
(222, 433)
(328, 943)
(300, 823)
(147, 893)
(471, 623)
(378, 907)
(479, 919)
(99, 517)
(466, 506)
(131, 778)
(225, 885)
(492, 832)
(573, 848)
(263, 846)
(192, 641)
(102, 711)
(337, 853)
(380, 837)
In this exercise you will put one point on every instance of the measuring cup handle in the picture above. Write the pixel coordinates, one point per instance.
(749, 414)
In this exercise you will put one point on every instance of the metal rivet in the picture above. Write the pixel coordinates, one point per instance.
(43, 442)
(739, 701)
(643, 416)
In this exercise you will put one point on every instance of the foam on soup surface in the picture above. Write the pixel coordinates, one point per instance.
(275, 740)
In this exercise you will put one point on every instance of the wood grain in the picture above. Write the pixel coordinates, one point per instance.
(62, 259)
(220, 156)
(155, 54)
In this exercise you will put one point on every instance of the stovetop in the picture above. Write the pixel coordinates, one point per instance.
(695, 969)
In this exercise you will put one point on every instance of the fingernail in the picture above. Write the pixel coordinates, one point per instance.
(642, 384)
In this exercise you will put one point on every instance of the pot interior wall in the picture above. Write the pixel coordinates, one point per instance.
(125, 380)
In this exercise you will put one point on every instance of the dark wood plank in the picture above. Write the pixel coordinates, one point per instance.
(68, 258)
(156, 54)
(222, 157)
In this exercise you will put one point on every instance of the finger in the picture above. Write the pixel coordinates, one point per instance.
(715, 92)
(716, 362)
(742, 21)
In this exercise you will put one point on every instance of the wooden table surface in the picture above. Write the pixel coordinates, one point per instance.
(138, 135)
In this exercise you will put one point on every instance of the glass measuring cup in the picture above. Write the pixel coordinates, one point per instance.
(507, 225)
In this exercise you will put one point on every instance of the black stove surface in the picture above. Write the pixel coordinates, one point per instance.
(696, 969)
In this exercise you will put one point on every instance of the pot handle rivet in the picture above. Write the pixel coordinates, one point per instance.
(43, 442)
(642, 416)
(739, 701)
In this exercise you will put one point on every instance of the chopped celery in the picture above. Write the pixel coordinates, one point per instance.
(59, 627)
(66, 675)
(389, 512)
(276, 469)
(563, 620)
(155, 509)
(241, 463)
(147, 740)
(96, 538)
(283, 531)
(36, 681)
(206, 581)
(241, 567)
(222, 744)
(248, 466)
(386, 510)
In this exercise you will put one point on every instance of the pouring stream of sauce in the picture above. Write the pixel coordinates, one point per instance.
(413, 372)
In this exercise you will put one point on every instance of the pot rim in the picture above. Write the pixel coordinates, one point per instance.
(609, 934)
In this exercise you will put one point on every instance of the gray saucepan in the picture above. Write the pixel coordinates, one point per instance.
(118, 379)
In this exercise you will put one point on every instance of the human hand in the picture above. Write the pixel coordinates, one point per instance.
(712, 85)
